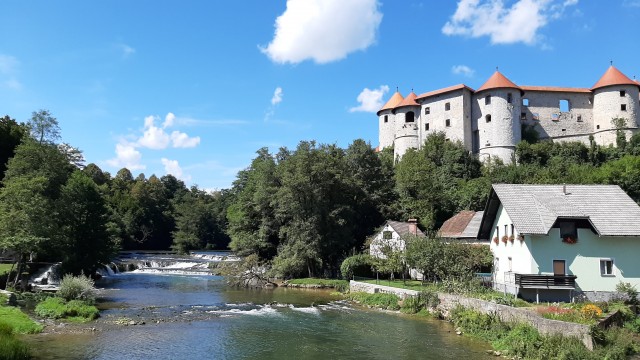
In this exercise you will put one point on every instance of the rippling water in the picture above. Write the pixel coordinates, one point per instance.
(198, 317)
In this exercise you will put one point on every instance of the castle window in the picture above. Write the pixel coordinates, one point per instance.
(579, 118)
(409, 117)
(386, 118)
(598, 127)
(487, 100)
(622, 93)
(447, 122)
(509, 98)
(447, 106)
(563, 130)
(525, 102)
(427, 110)
(487, 118)
(564, 105)
(426, 126)
(523, 116)
(623, 107)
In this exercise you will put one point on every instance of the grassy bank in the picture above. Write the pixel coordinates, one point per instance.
(340, 285)
(5, 268)
(74, 310)
(13, 322)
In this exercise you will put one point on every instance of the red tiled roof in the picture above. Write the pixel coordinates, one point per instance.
(613, 76)
(555, 89)
(410, 100)
(445, 90)
(457, 224)
(393, 102)
(496, 81)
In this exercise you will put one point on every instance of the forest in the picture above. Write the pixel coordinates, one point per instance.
(302, 211)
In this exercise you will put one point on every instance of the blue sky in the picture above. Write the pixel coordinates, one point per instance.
(195, 88)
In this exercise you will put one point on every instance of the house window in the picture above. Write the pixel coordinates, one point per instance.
(427, 110)
(498, 232)
(386, 118)
(447, 122)
(564, 105)
(512, 232)
(623, 107)
(509, 99)
(579, 118)
(606, 267)
(525, 102)
(487, 118)
(447, 106)
(426, 126)
(506, 230)
(622, 93)
(510, 264)
(409, 117)
(386, 235)
(523, 116)
(568, 231)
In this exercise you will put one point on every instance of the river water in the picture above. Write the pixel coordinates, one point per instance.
(197, 316)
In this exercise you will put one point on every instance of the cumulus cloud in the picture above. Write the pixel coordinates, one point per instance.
(463, 70)
(172, 167)
(323, 30)
(9, 72)
(126, 156)
(504, 25)
(277, 96)
(371, 100)
(155, 137)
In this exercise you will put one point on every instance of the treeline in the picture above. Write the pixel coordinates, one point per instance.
(53, 208)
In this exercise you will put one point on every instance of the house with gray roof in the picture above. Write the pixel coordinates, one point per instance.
(392, 236)
(555, 242)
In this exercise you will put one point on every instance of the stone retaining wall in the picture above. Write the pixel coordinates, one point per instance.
(504, 312)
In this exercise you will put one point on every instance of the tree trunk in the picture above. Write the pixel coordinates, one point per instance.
(19, 271)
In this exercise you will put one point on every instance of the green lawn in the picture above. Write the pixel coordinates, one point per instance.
(5, 268)
(321, 282)
(19, 321)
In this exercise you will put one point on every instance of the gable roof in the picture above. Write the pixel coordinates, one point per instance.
(534, 209)
(613, 76)
(395, 99)
(410, 100)
(464, 224)
(496, 81)
(403, 228)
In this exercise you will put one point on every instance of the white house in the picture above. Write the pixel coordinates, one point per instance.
(553, 242)
(391, 235)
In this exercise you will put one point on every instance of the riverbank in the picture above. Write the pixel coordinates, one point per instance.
(514, 331)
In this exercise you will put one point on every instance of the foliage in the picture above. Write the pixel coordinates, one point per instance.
(58, 308)
(79, 287)
(629, 291)
(18, 321)
(350, 264)
(591, 311)
(12, 348)
(320, 282)
(379, 300)
(423, 301)
(11, 134)
(556, 312)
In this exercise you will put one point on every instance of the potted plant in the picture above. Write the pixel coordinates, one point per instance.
(569, 239)
(505, 238)
(521, 237)
(495, 240)
(512, 238)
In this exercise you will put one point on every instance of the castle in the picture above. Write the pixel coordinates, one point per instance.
(489, 120)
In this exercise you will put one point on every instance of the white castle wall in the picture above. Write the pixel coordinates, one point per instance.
(607, 105)
(406, 133)
(498, 137)
(459, 114)
(386, 130)
(551, 122)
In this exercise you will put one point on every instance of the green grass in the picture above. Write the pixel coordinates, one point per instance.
(320, 282)
(5, 268)
(74, 310)
(19, 322)
(382, 301)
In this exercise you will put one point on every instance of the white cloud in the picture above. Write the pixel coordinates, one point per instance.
(277, 96)
(182, 140)
(323, 30)
(9, 72)
(463, 70)
(172, 167)
(126, 156)
(126, 50)
(157, 138)
(631, 3)
(371, 100)
(504, 25)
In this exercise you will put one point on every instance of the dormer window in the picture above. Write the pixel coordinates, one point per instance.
(568, 232)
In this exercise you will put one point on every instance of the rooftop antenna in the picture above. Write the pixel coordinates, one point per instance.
(397, 89)
(496, 68)
(611, 62)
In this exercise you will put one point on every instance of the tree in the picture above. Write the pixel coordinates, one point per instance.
(44, 127)
(11, 134)
(85, 242)
(73, 155)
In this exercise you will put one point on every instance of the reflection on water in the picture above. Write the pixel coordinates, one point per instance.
(189, 317)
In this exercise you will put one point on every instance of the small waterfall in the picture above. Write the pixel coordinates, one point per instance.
(115, 268)
(46, 276)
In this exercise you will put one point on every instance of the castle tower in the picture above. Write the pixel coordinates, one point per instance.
(407, 125)
(614, 96)
(386, 121)
(497, 104)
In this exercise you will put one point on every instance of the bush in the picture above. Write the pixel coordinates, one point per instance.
(57, 308)
(77, 288)
(591, 311)
(628, 291)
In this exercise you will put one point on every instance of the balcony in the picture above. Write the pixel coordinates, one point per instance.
(534, 281)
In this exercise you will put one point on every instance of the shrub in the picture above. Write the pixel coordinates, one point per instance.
(591, 311)
(424, 300)
(77, 288)
(57, 308)
(629, 291)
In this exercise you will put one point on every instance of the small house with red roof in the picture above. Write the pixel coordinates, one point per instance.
(489, 121)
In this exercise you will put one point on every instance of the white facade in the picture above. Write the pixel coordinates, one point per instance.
(386, 237)
(494, 128)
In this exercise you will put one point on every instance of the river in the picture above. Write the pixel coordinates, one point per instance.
(196, 316)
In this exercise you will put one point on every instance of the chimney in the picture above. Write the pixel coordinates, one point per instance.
(413, 226)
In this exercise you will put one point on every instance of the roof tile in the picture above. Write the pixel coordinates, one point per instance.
(613, 76)
(496, 81)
